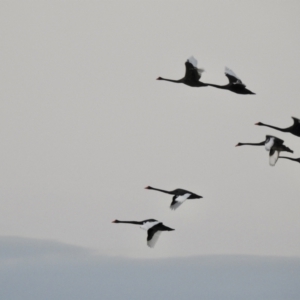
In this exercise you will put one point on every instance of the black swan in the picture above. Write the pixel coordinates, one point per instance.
(179, 197)
(272, 144)
(235, 84)
(153, 227)
(268, 142)
(192, 74)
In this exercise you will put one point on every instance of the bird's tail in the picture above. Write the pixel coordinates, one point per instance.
(287, 149)
(166, 228)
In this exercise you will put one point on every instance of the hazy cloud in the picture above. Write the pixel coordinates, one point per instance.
(52, 270)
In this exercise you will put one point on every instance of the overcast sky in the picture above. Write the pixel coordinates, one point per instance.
(84, 125)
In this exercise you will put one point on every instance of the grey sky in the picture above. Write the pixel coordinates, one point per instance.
(85, 126)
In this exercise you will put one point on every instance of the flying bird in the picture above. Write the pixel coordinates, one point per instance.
(272, 144)
(179, 197)
(192, 74)
(268, 142)
(153, 227)
(290, 158)
(235, 84)
(294, 129)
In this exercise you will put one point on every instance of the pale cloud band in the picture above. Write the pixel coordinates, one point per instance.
(40, 269)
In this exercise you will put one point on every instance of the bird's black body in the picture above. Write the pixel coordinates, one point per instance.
(235, 85)
(294, 129)
(191, 77)
(155, 228)
(280, 148)
(238, 89)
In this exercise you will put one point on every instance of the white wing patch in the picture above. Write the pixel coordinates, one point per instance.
(230, 72)
(273, 159)
(269, 144)
(179, 200)
(154, 239)
(148, 225)
(193, 61)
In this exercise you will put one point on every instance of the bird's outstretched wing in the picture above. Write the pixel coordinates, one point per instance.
(178, 200)
(276, 139)
(273, 141)
(153, 235)
(273, 157)
(192, 73)
(149, 224)
(233, 79)
(269, 143)
(296, 121)
(154, 232)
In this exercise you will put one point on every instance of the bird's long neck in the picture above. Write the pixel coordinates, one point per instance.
(203, 83)
(130, 222)
(218, 86)
(276, 128)
(171, 80)
(251, 144)
(163, 191)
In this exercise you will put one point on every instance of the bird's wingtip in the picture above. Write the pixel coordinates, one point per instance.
(193, 61)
